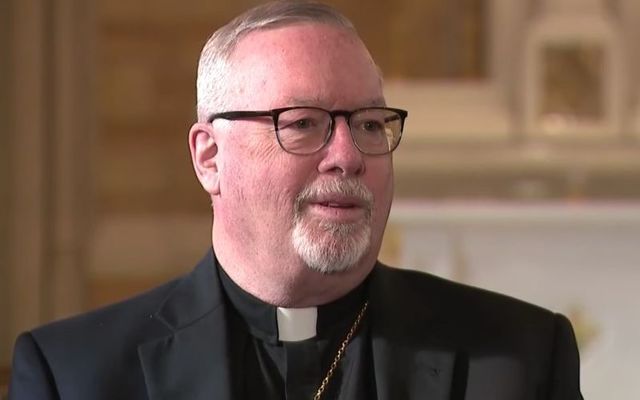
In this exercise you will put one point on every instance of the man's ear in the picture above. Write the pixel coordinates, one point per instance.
(204, 156)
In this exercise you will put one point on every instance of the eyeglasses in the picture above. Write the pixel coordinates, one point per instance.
(306, 130)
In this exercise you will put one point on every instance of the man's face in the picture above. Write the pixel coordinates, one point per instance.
(326, 210)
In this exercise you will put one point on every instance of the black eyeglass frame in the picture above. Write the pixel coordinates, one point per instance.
(275, 114)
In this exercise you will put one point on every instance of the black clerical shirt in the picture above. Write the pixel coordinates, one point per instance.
(264, 367)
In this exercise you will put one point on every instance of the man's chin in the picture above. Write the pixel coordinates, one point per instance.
(330, 268)
(332, 249)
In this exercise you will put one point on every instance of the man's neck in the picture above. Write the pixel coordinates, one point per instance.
(287, 281)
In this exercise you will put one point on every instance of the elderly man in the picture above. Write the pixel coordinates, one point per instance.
(293, 144)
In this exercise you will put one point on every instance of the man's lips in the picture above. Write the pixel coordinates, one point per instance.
(339, 202)
(340, 207)
(346, 199)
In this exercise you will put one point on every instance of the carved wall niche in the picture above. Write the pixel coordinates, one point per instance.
(460, 108)
(575, 73)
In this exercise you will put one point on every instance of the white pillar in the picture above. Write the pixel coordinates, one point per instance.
(507, 23)
(629, 11)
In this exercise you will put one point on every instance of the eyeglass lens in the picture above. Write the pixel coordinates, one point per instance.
(306, 130)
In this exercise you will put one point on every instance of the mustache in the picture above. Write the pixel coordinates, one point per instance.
(346, 187)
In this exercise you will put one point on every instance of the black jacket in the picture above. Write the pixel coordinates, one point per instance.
(431, 339)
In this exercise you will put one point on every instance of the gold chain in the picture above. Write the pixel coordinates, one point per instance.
(341, 350)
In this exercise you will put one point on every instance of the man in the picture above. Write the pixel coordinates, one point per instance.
(293, 144)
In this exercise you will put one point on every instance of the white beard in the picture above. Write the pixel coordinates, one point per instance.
(330, 247)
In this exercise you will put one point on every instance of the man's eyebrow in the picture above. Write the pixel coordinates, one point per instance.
(298, 101)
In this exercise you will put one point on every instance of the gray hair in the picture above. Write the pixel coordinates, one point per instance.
(214, 64)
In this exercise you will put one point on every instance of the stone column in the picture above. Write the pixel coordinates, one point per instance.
(508, 20)
(629, 12)
(72, 149)
(26, 142)
(48, 143)
(4, 176)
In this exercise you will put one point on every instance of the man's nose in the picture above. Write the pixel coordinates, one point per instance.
(341, 155)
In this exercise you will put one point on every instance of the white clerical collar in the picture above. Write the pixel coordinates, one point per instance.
(295, 324)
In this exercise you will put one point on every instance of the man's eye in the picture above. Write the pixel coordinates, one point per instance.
(372, 126)
(300, 124)
(304, 123)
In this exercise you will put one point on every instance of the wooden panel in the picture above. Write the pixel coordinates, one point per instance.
(5, 374)
(424, 39)
(111, 289)
(138, 173)
(169, 11)
(148, 72)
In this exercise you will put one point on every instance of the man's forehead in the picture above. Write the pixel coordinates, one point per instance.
(298, 44)
(304, 64)
(306, 32)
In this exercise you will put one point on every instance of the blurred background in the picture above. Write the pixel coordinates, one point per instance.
(519, 170)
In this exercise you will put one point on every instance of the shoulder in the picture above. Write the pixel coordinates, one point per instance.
(494, 337)
(458, 307)
(411, 286)
(84, 355)
(129, 320)
(86, 352)
(136, 318)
